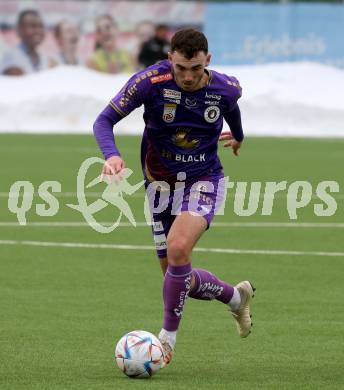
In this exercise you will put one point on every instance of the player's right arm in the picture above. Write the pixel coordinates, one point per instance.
(131, 96)
(103, 131)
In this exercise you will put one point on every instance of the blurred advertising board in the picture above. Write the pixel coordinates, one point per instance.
(254, 33)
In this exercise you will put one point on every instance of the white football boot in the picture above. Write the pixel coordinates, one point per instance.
(168, 353)
(242, 315)
(168, 342)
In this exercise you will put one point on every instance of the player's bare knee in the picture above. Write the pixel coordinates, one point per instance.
(177, 251)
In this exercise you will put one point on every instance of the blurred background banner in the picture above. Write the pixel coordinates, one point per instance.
(134, 20)
(238, 32)
(254, 33)
(288, 56)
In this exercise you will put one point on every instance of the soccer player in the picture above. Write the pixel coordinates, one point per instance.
(184, 106)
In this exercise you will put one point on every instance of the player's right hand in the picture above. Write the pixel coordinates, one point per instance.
(113, 165)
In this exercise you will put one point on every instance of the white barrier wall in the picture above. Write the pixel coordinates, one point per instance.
(291, 99)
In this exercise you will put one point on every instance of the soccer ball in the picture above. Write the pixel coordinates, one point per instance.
(139, 354)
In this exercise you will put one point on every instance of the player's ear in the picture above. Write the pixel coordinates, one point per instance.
(169, 56)
(208, 59)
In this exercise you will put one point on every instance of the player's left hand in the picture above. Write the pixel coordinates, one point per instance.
(231, 141)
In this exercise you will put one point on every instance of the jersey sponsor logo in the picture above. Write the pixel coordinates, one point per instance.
(190, 102)
(172, 94)
(161, 78)
(212, 96)
(212, 102)
(185, 158)
(181, 140)
(177, 101)
(190, 158)
(169, 112)
(212, 114)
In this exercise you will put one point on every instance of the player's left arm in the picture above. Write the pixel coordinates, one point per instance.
(232, 116)
(234, 137)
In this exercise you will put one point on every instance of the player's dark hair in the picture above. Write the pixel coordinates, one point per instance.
(25, 13)
(189, 42)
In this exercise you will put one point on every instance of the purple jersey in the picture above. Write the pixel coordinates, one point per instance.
(182, 128)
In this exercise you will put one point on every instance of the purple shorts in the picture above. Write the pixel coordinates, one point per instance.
(203, 196)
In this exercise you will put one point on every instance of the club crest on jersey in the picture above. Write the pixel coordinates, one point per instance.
(212, 114)
(169, 112)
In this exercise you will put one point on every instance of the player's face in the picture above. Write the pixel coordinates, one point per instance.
(189, 73)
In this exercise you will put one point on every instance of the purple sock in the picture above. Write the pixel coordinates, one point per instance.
(208, 287)
(176, 289)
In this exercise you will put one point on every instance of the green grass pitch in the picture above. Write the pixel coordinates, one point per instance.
(63, 309)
